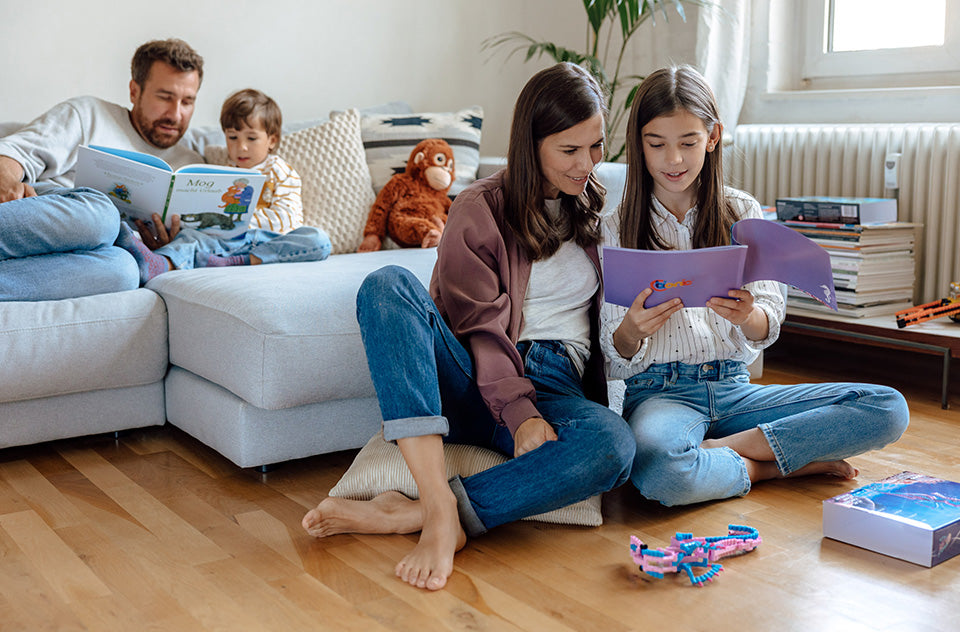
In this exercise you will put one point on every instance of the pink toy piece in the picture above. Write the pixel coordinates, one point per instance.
(686, 552)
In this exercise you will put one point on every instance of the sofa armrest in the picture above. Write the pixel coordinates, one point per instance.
(489, 165)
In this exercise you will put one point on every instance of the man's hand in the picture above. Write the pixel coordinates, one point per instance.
(12, 186)
(155, 234)
(531, 434)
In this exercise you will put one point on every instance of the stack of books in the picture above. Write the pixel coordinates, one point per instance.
(873, 267)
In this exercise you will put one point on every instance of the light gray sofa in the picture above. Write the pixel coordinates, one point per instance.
(263, 363)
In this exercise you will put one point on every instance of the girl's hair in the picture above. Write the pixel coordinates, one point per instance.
(249, 107)
(663, 93)
(555, 99)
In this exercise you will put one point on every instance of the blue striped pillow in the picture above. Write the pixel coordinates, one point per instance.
(388, 140)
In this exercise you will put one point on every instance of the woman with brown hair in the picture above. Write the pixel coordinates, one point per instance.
(503, 352)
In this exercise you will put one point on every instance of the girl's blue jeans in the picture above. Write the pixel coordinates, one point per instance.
(302, 244)
(673, 407)
(425, 384)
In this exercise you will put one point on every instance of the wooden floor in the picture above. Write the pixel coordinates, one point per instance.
(156, 532)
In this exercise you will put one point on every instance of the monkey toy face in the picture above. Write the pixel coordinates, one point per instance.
(433, 159)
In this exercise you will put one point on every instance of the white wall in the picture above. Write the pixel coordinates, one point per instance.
(310, 55)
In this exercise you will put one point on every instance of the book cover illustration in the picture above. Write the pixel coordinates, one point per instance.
(206, 197)
(925, 503)
(763, 251)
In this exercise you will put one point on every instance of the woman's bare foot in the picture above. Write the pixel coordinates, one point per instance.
(390, 512)
(430, 564)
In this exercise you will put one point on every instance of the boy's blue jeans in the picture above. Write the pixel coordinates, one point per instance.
(425, 384)
(302, 244)
(673, 407)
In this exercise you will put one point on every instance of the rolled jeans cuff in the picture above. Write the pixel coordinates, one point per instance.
(471, 523)
(406, 427)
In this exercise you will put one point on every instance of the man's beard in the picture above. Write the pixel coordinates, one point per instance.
(153, 134)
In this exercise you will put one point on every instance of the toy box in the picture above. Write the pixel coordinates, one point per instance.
(910, 516)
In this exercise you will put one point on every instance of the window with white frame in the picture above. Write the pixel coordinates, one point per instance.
(853, 40)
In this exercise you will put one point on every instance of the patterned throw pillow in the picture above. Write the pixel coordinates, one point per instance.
(337, 191)
(379, 467)
(388, 140)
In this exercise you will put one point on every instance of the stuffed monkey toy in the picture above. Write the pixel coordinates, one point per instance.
(412, 207)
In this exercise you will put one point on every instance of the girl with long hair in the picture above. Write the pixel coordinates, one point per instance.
(703, 431)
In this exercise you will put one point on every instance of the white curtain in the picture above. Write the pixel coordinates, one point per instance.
(723, 55)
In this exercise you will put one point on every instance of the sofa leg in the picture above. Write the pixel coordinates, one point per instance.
(265, 469)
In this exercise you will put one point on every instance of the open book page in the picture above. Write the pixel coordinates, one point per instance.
(138, 184)
(213, 198)
(778, 253)
(220, 201)
(763, 251)
(693, 276)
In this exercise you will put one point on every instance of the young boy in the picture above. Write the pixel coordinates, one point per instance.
(251, 122)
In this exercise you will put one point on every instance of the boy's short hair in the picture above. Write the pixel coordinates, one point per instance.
(248, 107)
(173, 52)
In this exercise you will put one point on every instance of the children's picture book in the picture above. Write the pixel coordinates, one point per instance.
(910, 516)
(212, 198)
(837, 210)
(762, 250)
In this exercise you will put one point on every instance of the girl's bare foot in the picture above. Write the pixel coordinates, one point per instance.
(430, 564)
(766, 470)
(840, 469)
(390, 512)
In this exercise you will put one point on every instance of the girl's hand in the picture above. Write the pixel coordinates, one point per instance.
(532, 434)
(740, 310)
(640, 322)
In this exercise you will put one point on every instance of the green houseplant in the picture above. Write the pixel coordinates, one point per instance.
(602, 56)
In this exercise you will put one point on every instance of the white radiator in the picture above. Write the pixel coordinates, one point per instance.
(771, 161)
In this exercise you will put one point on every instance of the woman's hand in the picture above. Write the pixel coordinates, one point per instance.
(532, 434)
(740, 310)
(639, 323)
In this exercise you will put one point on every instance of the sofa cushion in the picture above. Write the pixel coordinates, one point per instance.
(337, 191)
(52, 348)
(379, 467)
(279, 335)
(389, 139)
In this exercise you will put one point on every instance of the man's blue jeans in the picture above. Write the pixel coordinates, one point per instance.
(60, 245)
(425, 384)
(673, 407)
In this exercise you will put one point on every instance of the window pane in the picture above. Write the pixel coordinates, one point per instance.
(876, 24)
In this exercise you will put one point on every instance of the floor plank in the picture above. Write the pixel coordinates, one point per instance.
(152, 530)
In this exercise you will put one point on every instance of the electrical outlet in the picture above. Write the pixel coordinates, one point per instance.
(891, 171)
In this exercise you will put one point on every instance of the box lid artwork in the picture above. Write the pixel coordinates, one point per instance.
(911, 516)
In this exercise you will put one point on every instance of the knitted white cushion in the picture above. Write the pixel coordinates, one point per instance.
(379, 467)
(337, 190)
(388, 140)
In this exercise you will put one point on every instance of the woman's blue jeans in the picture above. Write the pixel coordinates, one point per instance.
(673, 407)
(425, 384)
